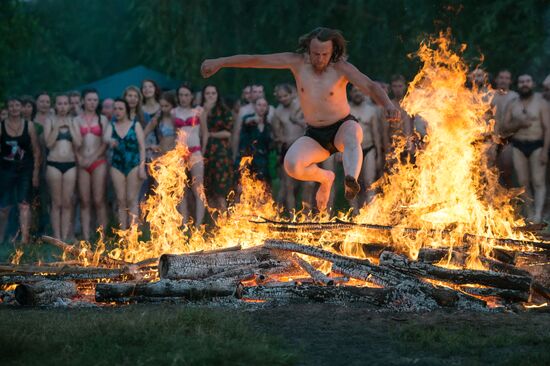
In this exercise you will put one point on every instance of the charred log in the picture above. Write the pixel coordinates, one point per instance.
(44, 292)
(486, 278)
(187, 289)
(199, 266)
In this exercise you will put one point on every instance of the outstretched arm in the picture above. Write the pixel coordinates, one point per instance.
(369, 87)
(285, 60)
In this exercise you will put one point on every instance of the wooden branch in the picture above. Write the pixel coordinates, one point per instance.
(188, 289)
(76, 251)
(318, 277)
(44, 292)
(508, 295)
(486, 278)
(459, 258)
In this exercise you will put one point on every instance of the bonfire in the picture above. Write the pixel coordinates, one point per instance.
(441, 233)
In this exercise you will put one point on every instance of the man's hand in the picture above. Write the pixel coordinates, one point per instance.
(210, 67)
(392, 113)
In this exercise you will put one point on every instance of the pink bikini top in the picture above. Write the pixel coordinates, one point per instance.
(94, 130)
(189, 122)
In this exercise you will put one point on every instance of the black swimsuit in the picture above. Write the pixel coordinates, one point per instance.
(63, 167)
(325, 135)
(527, 147)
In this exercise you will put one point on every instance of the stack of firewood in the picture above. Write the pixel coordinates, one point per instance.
(288, 272)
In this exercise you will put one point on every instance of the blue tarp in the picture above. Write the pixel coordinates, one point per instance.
(113, 86)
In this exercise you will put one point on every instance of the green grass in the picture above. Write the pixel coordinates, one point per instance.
(136, 335)
(522, 344)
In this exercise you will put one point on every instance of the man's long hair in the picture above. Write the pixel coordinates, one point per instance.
(339, 43)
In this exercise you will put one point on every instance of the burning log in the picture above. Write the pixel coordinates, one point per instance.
(508, 295)
(198, 266)
(260, 270)
(348, 266)
(486, 278)
(318, 276)
(309, 292)
(22, 274)
(44, 292)
(458, 258)
(151, 261)
(147, 292)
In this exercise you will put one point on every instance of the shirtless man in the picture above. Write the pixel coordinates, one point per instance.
(527, 119)
(322, 74)
(373, 154)
(546, 86)
(288, 125)
(403, 128)
(501, 99)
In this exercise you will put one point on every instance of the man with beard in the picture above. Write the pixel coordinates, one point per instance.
(288, 126)
(373, 155)
(402, 129)
(322, 74)
(527, 119)
(501, 99)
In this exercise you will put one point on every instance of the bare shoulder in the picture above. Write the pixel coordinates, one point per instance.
(345, 67)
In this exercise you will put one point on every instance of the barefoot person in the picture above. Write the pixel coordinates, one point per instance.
(373, 153)
(62, 141)
(322, 74)
(527, 119)
(188, 119)
(126, 139)
(19, 167)
(288, 126)
(501, 99)
(92, 163)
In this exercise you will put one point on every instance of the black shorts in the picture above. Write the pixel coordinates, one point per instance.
(325, 135)
(15, 184)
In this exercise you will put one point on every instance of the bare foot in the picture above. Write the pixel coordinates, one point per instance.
(323, 193)
(351, 186)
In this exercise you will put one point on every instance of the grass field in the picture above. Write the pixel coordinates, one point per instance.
(314, 334)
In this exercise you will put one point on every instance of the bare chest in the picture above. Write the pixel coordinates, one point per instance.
(329, 84)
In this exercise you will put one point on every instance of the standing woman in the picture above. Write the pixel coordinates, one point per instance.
(19, 167)
(188, 119)
(163, 125)
(125, 137)
(44, 111)
(217, 152)
(28, 110)
(62, 141)
(92, 163)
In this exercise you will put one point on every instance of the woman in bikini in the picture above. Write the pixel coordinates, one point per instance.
(62, 140)
(126, 139)
(163, 125)
(188, 119)
(92, 162)
(151, 109)
(19, 167)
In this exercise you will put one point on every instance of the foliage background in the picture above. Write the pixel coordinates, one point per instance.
(56, 45)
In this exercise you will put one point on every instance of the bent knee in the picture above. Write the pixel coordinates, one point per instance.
(354, 133)
(291, 165)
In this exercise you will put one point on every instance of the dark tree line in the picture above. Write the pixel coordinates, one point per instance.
(58, 44)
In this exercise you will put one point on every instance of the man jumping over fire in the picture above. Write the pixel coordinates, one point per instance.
(322, 73)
